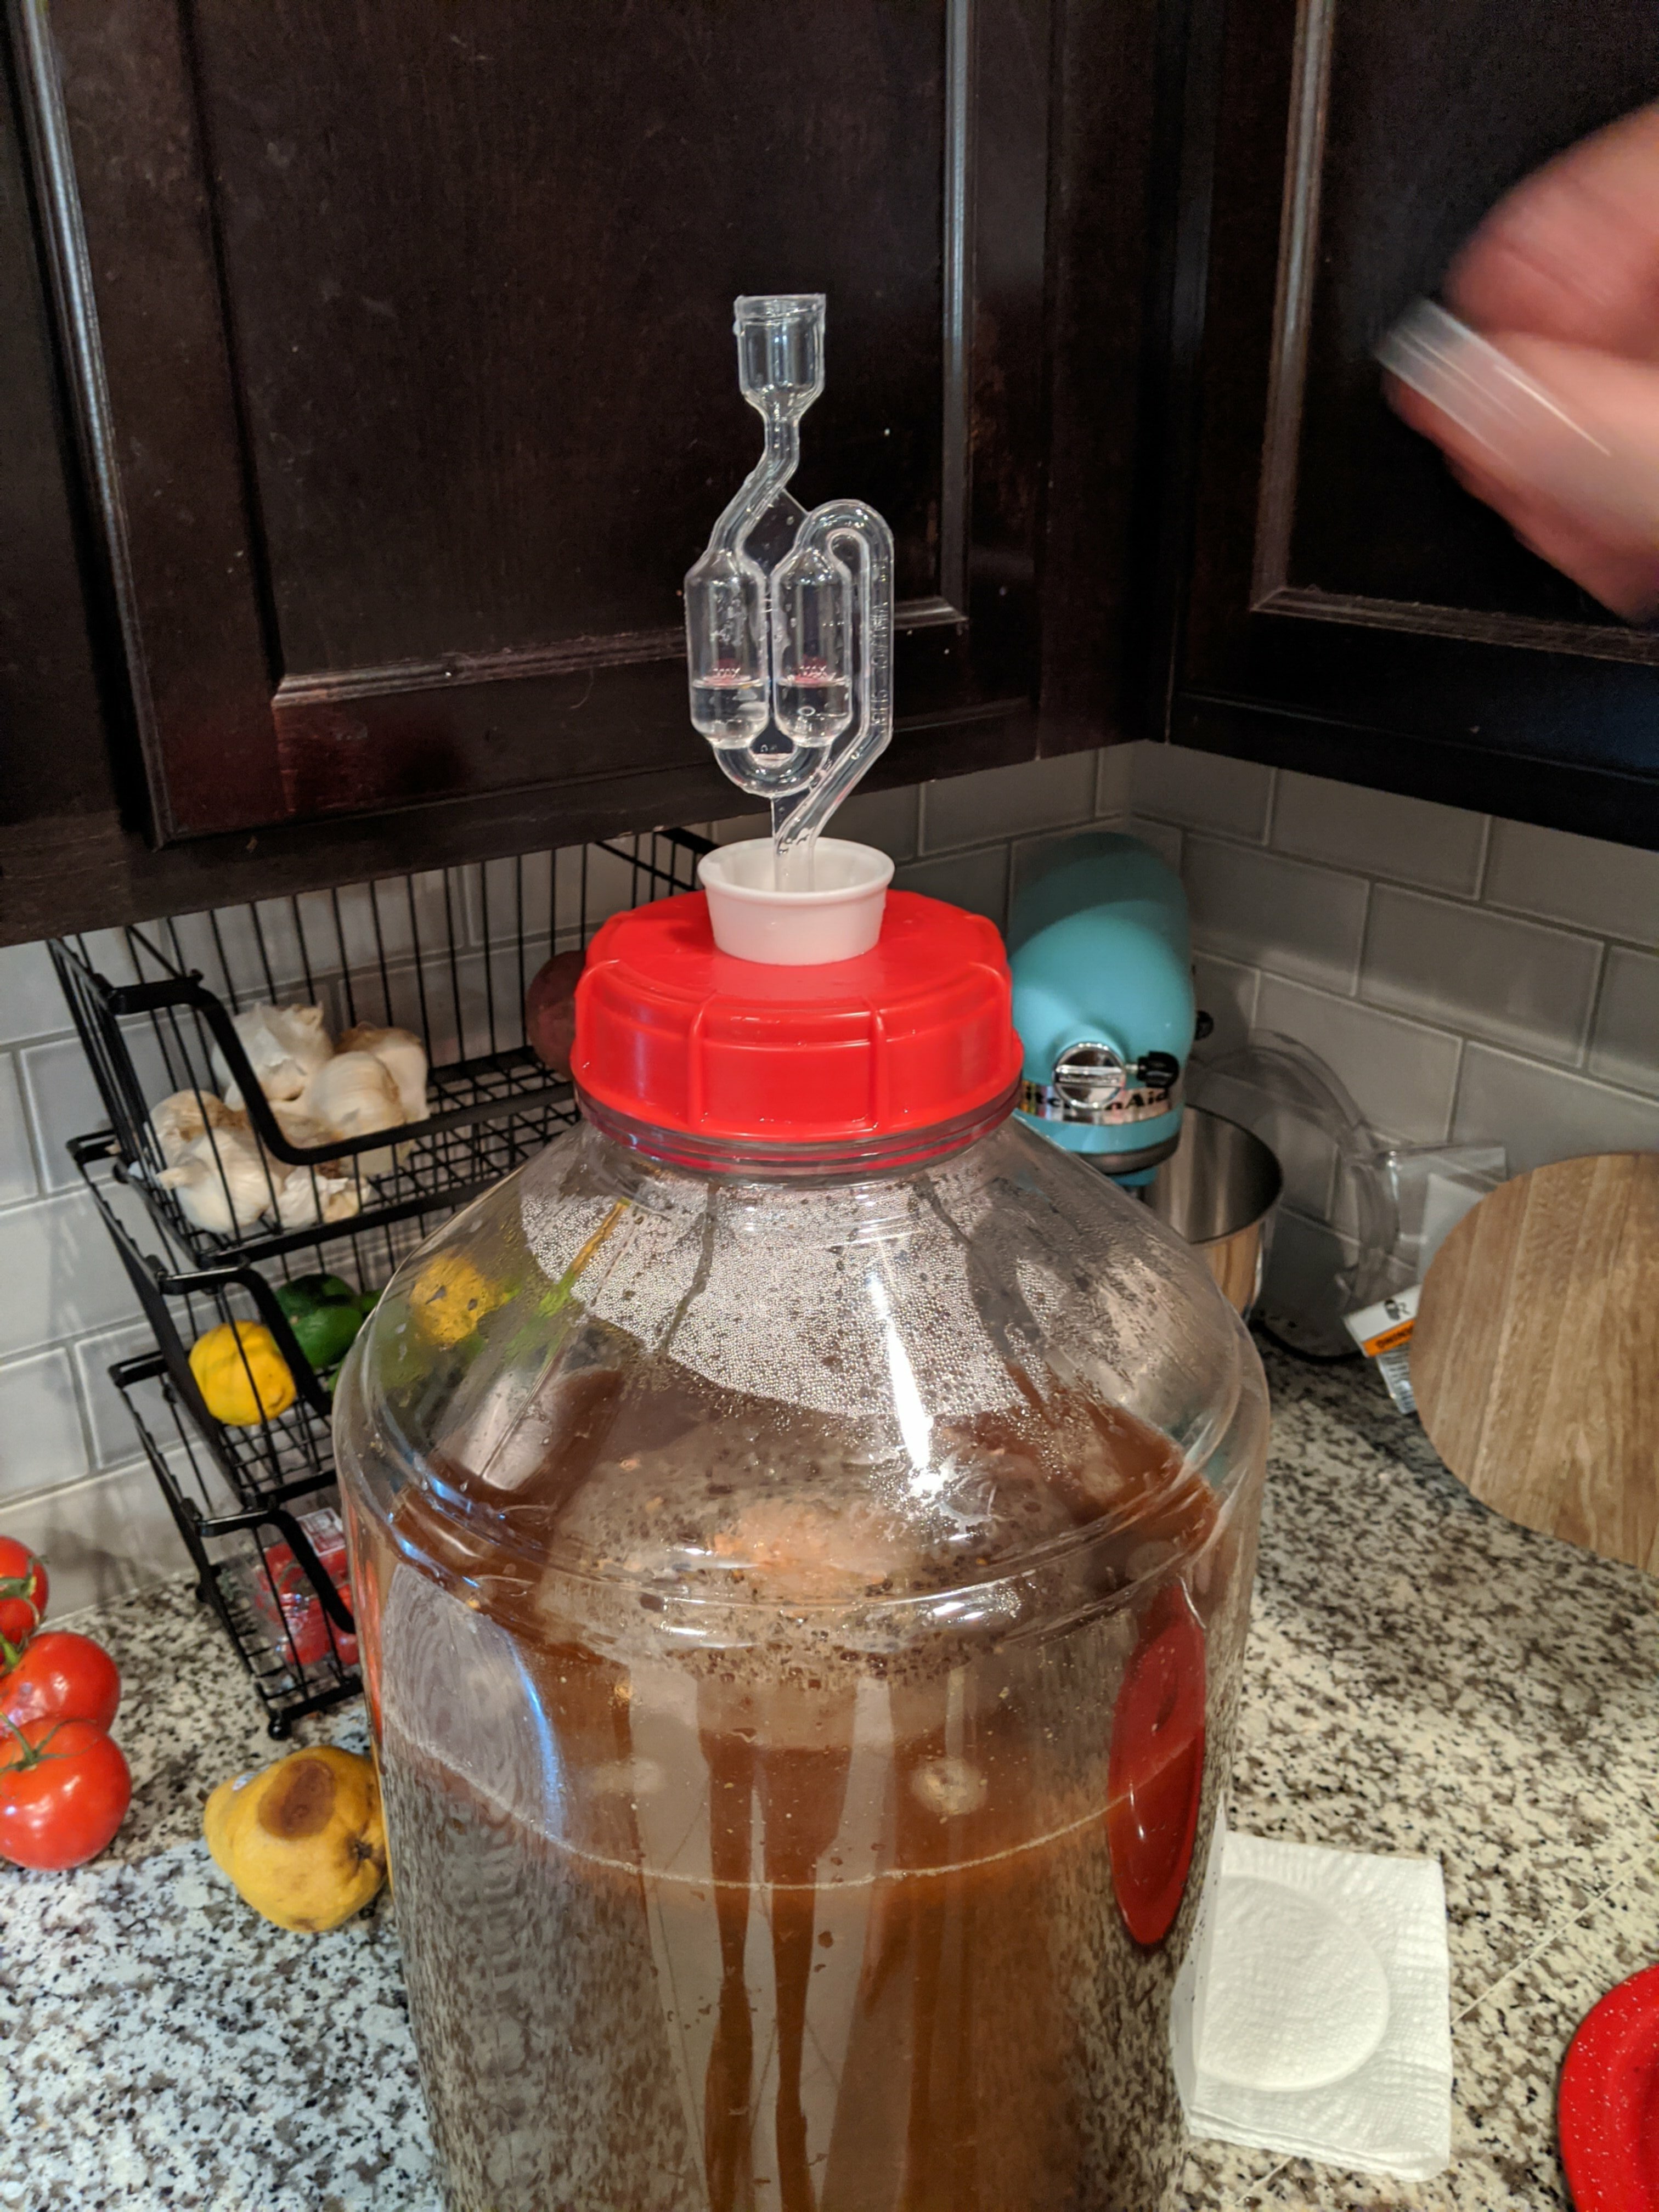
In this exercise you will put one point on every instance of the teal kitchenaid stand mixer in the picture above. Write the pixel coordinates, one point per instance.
(1104, 1001)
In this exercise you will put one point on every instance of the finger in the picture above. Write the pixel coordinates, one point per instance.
(1534, 522)
(1579, 429)
(1492, 489)
(1572, 253)
(1625, 578)
(1565, 445)
(1597, 454)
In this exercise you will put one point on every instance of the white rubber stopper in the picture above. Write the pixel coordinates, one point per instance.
(837, 920)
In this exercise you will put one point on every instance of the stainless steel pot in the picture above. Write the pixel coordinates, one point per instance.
(1218, 1189)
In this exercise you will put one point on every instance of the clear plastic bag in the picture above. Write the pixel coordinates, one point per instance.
(280, 1596)
(1434, 1186)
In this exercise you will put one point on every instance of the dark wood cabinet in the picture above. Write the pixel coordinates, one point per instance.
(50, 697)
(397, 347)
(401, 341)
(1340, 604)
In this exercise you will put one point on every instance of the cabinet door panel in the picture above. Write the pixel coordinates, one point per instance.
(404, 351)
(49, 700)
(1338, 575)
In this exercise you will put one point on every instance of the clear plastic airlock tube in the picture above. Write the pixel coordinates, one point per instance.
(789, 616)
(840, 524)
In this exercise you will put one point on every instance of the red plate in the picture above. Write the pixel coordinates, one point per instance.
(1155, 1773)
(1608, 2111)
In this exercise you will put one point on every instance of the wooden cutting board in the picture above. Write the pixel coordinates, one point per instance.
(1535, 1356)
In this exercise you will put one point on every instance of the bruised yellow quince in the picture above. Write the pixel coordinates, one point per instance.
(303, 1840)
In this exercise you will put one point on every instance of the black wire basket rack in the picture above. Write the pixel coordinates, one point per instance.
(273, 1570)
(254, 1499)
(445, 958)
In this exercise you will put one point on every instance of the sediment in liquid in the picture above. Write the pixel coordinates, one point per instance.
(801, 1927)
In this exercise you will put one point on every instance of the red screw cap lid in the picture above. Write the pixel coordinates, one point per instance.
(671, 1031)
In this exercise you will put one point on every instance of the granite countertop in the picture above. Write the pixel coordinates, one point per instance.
(1422, 1677)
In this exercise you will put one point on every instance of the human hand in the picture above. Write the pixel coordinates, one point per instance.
(1548, 407)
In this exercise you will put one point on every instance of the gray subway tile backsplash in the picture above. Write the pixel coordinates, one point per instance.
(977, 880)
(63, 1101)
(59, 1276)
(1402, 1075)
(886, 819)
(1625, 1044)
(1226, 991)
(101, 1538)
(31, 1003)
(1114, 784)
(1612, 889)
(889, 819)
(1272, 912)
(1165, 838)
(1008, 802)
(109, 1425)
(18, 1178)
(1203, 791)
(1378, 833)
(39, 1421)
(1485, 974)
(1541, 1113)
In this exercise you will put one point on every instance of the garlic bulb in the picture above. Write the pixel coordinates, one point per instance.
(224, 1182)
(178, 1122)
(285, 1046)
(403, 1055)
(302, 1130)
(352, 1095)
(312, 1195)
(326, 1192)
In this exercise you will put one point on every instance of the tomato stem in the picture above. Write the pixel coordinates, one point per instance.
(31, 1757)
(34, 1753)
(17, 1592)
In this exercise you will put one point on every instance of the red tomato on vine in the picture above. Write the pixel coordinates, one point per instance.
(22, 1596)
(61, 1677)
(65, 1790)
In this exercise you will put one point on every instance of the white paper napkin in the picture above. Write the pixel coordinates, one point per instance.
(1312, 2014)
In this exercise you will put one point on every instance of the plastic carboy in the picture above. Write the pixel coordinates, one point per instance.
(802, 1529)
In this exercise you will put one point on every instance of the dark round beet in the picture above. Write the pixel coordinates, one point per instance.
(550, 1010)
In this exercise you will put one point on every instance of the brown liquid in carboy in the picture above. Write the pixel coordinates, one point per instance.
(697, 1997)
